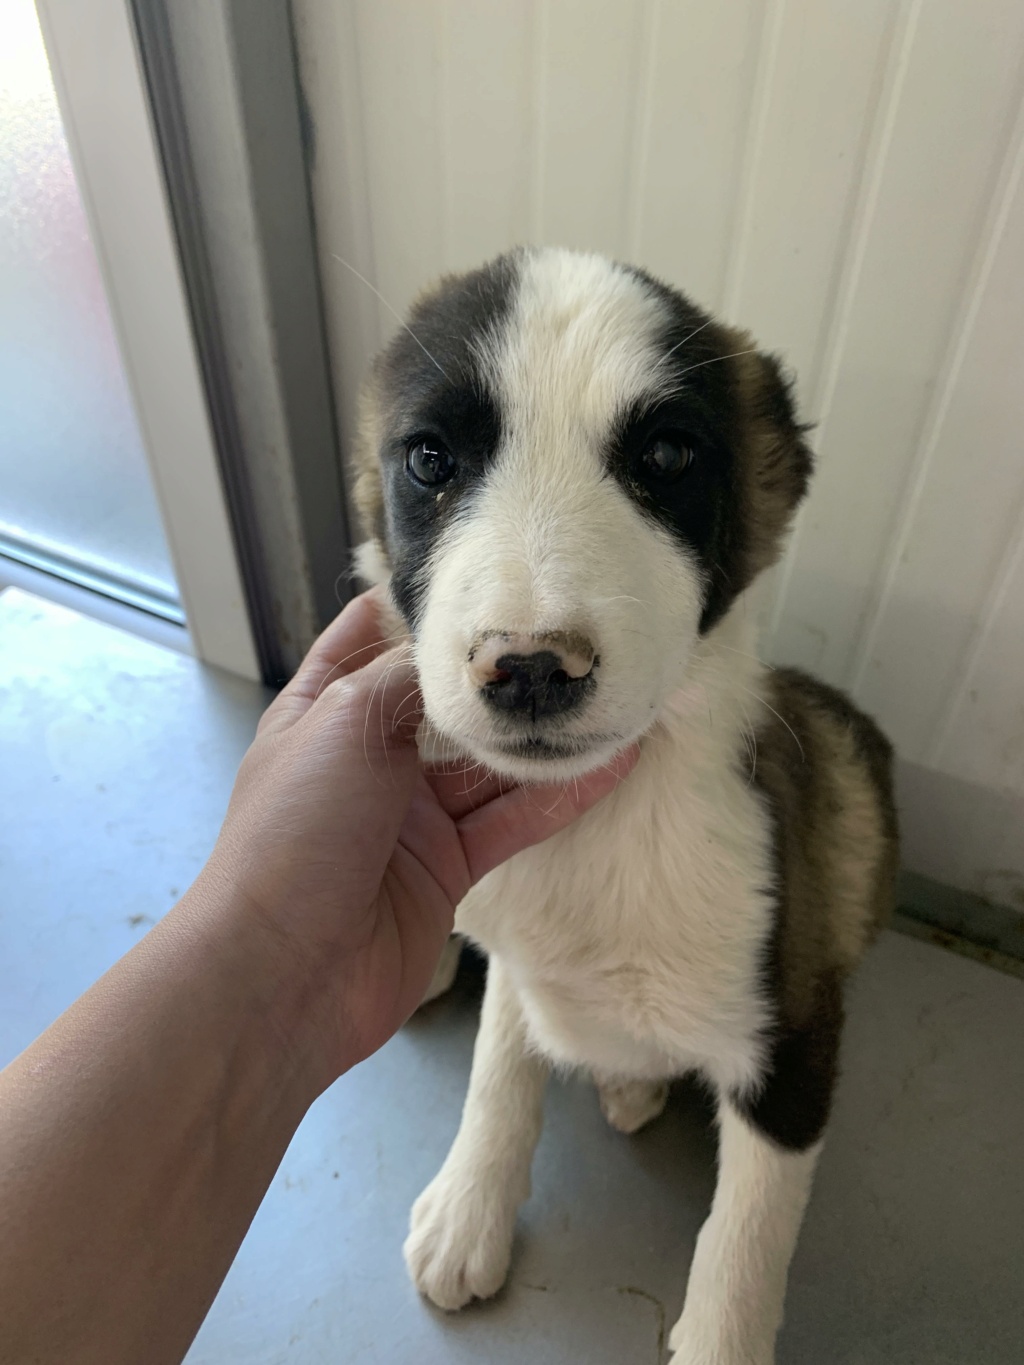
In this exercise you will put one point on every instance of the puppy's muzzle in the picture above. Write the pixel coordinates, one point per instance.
(532, 676)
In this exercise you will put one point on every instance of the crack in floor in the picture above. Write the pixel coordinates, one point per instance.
(659, 1308)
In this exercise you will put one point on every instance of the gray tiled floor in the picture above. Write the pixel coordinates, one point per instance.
(116, 760)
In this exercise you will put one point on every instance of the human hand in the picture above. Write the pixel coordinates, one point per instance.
(348, 856)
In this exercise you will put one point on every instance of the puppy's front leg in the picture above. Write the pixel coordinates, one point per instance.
(737, 1283)
(460, 1240)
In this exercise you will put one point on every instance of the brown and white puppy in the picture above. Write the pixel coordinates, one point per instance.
(570, 475)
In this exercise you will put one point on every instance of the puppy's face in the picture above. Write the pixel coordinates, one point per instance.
(571, 472)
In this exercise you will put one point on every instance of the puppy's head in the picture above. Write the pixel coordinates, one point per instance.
(570, 472)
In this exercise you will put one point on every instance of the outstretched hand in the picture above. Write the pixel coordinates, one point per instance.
(139, 1133)
(350, 855)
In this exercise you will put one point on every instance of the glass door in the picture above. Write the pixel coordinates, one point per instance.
(76, 498)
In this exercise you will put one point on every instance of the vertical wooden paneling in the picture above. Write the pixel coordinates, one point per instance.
(966, 504)
(804, 184)
(488, 79)
(983, 738)
(843, 179)
(589, 56)
(399, 48)
(946, 146)
(701, 74)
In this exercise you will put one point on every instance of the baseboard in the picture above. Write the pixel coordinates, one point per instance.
(966, 924)
(964, 835)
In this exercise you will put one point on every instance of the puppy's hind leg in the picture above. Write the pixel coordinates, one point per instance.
(460, 1239)
(770, 1137)
(737, 1284)
(737, 1278)
(629, 1104)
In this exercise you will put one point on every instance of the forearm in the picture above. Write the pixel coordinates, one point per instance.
(137, 1138)
(139, 1134)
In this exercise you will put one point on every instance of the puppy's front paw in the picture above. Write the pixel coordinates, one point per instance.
(460, 1238)
(695, 1342)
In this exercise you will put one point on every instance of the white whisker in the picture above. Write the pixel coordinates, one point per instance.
(398, 635)
(796, 738)
(716, 358)
(686, 339)
(393, 311)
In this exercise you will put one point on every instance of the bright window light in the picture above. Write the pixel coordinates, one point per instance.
(75, 491)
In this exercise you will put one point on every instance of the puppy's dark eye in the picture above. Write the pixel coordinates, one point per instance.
(430, 462)
(666, 456)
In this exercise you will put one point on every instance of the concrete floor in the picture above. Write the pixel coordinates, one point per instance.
(116, 760)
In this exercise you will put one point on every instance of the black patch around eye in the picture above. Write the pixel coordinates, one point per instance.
(441, 398)
(428, 481)
(674, 459)
(751, 463)
(700, 505)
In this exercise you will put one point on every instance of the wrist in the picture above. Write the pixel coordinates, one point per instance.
(281, 999)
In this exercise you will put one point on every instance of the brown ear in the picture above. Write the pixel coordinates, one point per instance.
(364, 465)
(774, 461)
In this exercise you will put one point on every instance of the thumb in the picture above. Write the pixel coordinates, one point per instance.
(353, 754)
(527, 815)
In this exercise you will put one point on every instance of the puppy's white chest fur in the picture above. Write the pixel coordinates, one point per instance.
(636, 937)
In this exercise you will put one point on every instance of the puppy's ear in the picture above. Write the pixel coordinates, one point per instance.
(774, 462)
(364, 467)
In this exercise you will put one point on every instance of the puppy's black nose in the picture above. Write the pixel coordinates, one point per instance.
(530, 676)
(534, 685)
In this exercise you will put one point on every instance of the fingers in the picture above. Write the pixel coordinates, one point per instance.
(463, 787)
(527, 815)
(352, 640)
(378, 706)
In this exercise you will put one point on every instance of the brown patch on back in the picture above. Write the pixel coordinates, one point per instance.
(835, 828)
(825, 771)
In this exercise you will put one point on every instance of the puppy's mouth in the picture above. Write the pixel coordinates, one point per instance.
(534, 746)
(539, 758)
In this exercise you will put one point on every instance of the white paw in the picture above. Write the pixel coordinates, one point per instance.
(628, 1105)
(460, 1238)
(703, 1343)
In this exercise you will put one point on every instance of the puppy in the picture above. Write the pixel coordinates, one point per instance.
(570, 476)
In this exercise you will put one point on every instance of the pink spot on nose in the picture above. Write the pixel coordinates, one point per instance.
(573, 651)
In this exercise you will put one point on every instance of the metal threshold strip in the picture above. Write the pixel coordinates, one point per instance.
(115, 586)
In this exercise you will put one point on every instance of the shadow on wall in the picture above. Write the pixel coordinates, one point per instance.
(962, 833)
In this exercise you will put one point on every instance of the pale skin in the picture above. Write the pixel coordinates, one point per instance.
(139, 1133)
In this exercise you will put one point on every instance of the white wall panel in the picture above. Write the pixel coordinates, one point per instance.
(845, 179)
(588, 75)
(695, 103)
(793, 233)
(490, 130)
(950, 119)
(966, 505)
